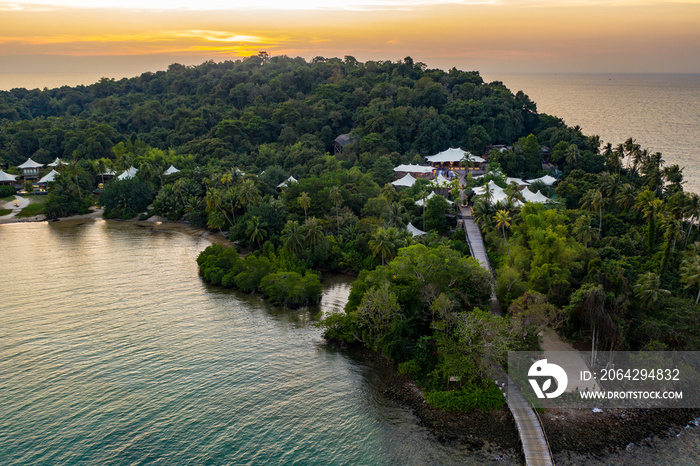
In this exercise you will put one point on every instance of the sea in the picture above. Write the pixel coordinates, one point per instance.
(660, 111)
(113, 351)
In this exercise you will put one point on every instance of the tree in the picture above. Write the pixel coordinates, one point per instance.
(248, 193)
(314, 232)
(690, 274)
(593, 200)
(337, 199)
(304, 202)
(648, 290)
(256, 230)
(383, 243)
(293, 237)
(502, 219)
(377, 312)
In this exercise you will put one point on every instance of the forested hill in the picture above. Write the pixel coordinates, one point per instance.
(283, 111)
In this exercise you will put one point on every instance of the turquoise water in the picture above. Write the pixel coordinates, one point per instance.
(113, 351)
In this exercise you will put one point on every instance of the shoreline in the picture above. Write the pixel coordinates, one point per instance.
(576, 436)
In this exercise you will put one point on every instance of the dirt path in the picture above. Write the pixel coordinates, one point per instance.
(17, 205)
(567, 357)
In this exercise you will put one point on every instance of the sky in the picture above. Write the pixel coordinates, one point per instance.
(494, 36)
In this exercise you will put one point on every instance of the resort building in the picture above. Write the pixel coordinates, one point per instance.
(406, 181)
(452, 158)
(546, 179)
(8, 180)
(56, 163)
(340, 142)
(417, 171)
(128, 174)
(48, 178)
(414, 231)
(170, 171)
(30, 169)
(287, 182)
(528, 196)
(420, 202)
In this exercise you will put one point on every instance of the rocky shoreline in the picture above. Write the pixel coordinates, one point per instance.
(576, 436)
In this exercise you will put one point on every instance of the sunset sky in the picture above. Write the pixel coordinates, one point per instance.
(132, 36)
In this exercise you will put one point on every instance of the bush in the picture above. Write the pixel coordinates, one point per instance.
(292, 289)
(410, 368)
(467, 398)
(125, 198)
(6, 191)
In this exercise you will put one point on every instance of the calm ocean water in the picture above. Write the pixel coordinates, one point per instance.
(113, 351)
(662, 112)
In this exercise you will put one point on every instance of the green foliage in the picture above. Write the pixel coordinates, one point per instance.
(292, 289)
(125, 198)
(6, 191)
(410, 368)
(485, 398)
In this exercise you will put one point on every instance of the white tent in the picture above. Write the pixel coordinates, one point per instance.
(56, 163)
(413, 169)
(407, 181)
(453, 155)
(49, 178)
(497, 193)
(7, 177)
(170, 170)
(529, 196)
(414, 231)
(30, 164)
(441, 182)
(419, 202)
(546, 179)
(518, 181)
(287, 182)
(128, 174)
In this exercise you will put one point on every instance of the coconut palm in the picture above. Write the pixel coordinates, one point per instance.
(650, 206)
(255, 230)
(304, 202)
(690, 274)
(594, 200)
(648, 290)
(396, 214)
(583, 231)
(293, 237)
(247, 193)
(383, 243)
(313, 232)
(692, 210)
(424, 197)
(502, 219)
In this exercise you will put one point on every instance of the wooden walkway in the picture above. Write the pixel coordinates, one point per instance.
(532, 435)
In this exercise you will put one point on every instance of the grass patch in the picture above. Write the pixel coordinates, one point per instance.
(36, 207)
(5, 212)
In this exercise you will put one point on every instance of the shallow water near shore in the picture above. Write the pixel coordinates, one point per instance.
(113, 351)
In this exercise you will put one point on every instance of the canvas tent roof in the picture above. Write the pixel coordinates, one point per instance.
(56, 163)
(407, 180)
(171, 170)
(419, 202)
(48, 178)
(413, 169)
(529, 196)
(441, 181)
(450, 155)
(546, 179)
(30, 164)
(414, 231)
(518, 181)
(128, 174)
(287, 182)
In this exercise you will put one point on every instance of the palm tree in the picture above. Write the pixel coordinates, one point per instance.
(248, 193)
(626, 196)
(293, 237)
(513, 192)
(424, 197)
(383, 243)
(314, 232)
(692, 210)
(502, 219)
(337, 199)
(255, 230)
(593, 200)
(650, 206)
(648, 290)
(397, 212)
(304, 202)
(573, 155)
(690, 273)
(583, 231)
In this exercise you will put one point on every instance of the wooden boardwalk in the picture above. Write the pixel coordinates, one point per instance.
(532, 435)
